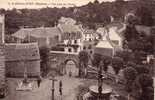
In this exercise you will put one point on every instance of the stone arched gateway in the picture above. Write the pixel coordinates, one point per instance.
(70, 67)
(59, 59)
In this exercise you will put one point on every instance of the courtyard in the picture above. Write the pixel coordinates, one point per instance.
(73, 88)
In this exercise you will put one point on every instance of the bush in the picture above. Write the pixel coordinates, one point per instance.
(117, 64)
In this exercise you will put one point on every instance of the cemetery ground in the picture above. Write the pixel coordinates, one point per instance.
(73, 88)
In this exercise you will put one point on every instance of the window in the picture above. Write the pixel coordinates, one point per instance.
(90, 40)
(75, 41)
(91, 52)
(69, 50)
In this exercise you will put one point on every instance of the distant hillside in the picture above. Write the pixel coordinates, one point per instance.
(91, 15)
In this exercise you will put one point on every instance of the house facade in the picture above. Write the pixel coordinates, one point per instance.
(105, 48)
(71, 38)
(112, 37)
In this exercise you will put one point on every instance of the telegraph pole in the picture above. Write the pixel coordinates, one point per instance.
(53, 80)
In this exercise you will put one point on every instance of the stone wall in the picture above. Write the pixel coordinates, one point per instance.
(17, 68)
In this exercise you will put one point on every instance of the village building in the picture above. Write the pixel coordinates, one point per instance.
(90, 37)
(111, 38)
(105, 48)
(44, 36)
(22, 58)
(71, 38)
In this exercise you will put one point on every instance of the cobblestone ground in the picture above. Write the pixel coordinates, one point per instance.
(44, 92)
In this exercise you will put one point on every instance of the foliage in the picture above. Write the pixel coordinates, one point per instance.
(144, 84)
(125, 55)
(83, 61)
(83, 57)
(44, 55)
(117, 64)
(145, 80)
(142, 69)
(96, 59)
(90, 15)
(107, 61)
(130, 75)
(145, 15)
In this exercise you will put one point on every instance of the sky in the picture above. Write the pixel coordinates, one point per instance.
(19, 4)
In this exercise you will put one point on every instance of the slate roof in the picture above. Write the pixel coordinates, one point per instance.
(41, 32)
(104, 44)
(70, 31)
(24, 51)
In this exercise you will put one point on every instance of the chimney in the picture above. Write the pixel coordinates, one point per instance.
(2, 28)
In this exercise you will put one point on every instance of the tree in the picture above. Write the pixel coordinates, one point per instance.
(142, 69)
(125, 55)
(44, 55)
(83, 61)
(117, 64)
(145, 85)
(106, 61)
(96, 59)
(130, 75)
(145, 16)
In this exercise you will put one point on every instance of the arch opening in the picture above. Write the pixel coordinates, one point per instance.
(71, 67)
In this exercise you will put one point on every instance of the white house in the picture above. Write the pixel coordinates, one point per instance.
(114, 31)
(89, 35)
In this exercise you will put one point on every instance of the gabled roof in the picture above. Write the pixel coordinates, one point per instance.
(104, 44)
(41, 32)
(46, 32)
(70, 31)
(22, 33)
(21, 51)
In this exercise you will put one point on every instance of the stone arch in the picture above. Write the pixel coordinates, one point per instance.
(73, 69)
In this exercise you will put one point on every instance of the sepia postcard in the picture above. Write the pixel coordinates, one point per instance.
(77, 49)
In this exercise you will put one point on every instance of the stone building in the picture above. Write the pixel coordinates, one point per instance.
(22, 58)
